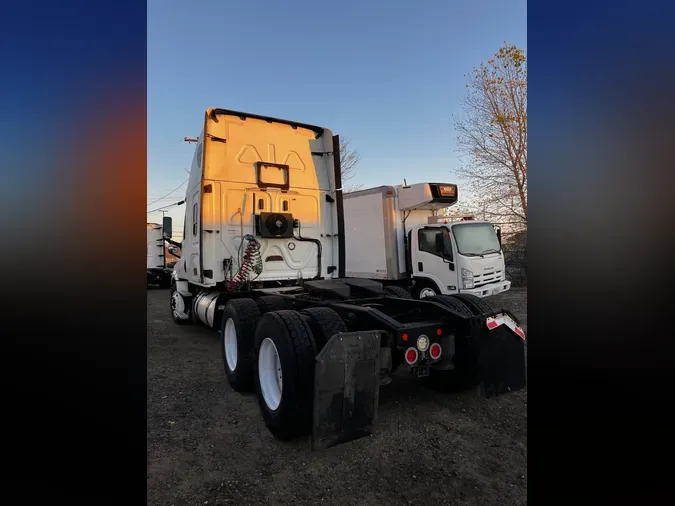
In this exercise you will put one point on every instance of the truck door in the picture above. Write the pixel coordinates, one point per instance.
(428, 262)
(194, 270)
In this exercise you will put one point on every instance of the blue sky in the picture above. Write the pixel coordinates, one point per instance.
(387, 75)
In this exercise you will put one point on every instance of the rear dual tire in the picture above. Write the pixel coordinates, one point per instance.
(269, 303)
(397, 291)
(466, 373)
(275, 352)
(239, 322)
(283, 372)
(287, 343)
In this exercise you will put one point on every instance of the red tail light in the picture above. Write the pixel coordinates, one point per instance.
(435, 351)
(411, 356)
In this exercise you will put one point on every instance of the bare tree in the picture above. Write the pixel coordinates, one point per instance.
(492, 136)
(349, 159)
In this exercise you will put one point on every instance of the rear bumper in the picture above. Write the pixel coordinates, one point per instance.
(491, 289)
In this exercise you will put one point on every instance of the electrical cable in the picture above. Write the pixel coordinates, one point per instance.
(167, 206)
(252, 262)
(175, 189)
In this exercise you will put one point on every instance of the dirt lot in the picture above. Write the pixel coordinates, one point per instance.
(209, 445)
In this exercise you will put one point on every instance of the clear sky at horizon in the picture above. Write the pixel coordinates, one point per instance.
(388, 76)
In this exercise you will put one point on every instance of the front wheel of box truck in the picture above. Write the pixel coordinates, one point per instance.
(423, 288)
(284, 373)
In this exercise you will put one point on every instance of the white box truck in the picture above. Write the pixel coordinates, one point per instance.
(394, 235)
(158, 272)
(263, 263)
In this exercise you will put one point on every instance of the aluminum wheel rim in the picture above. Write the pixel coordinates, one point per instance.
(174, 304)
(230, 344)
(269, 374)
(427, 292)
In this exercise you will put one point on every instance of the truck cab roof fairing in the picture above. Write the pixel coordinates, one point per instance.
(214, 113)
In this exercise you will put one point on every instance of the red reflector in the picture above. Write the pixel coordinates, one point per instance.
(492, 324)
(404, 337)
(435, 351)
(439, 332)
(518, 331)
(411, 356)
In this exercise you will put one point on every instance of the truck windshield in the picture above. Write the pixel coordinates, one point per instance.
(475, 239)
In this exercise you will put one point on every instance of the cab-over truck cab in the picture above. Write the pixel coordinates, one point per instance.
(456, 257)
(394, 235)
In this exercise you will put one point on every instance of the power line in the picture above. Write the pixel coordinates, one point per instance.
(175, 189)
(165, 207)
(164, 199)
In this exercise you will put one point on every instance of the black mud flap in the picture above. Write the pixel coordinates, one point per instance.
(501, 358)
(346, 388)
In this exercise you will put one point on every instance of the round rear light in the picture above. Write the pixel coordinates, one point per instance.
(411, 356)
(435, 351)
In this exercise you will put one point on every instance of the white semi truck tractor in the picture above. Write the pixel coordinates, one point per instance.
(394, 235)
(263, 263)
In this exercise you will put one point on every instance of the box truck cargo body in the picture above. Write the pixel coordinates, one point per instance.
(394, 234)
(157, 271)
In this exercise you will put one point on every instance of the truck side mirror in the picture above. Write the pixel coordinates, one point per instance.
(166, 226)
(499, 235)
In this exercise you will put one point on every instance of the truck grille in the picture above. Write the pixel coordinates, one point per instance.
(487, 278)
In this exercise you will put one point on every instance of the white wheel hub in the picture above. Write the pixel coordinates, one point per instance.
(230, 345)
(178, 306)
(269, 374)
(427, 292)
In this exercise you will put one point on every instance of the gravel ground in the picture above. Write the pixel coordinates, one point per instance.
(208, 444)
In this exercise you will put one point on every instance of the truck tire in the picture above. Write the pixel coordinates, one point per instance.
(269, 303)
(325, 323)
(423, 288)
(458, 305)
(477, 305)
(284, 373)
(306, 296)
(397, 291)
(466, 373)
(174, 301)
(238, 326)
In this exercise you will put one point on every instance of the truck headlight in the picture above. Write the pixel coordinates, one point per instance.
(467, 278)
